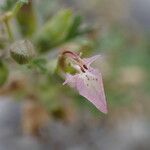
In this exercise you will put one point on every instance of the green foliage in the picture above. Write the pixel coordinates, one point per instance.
(8, 4)
(39, 64)
(59, 29)
(74, 28)
(3, 73)
(55, 30)
(24, 1)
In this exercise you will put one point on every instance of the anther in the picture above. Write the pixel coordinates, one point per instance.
(85, 67)
(82, 69)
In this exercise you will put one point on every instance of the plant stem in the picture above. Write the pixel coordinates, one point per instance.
(8, 30)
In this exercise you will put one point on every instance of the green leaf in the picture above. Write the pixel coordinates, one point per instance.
(73, 31)
(7, 5)
(24, 1)
(55, 30)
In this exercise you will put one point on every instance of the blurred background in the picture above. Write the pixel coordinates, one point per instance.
(36, 111)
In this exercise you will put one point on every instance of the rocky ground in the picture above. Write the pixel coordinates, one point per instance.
(129, 134)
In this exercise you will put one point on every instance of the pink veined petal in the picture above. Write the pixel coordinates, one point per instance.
(70, 79)
(100, 82)
(89, 61)
(90, 91)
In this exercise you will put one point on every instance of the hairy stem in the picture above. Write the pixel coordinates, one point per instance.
(8, 30)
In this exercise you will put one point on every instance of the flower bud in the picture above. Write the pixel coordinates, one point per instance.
(22, 51)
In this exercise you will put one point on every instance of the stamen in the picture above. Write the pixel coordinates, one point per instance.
(85, 66)
(76, 58)
(82, 70)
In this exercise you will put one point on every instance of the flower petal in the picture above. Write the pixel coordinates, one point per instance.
(92, 89)
(89, 61)
(70, 80)
(90, 86)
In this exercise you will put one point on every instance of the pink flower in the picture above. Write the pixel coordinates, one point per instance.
(88, 81)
